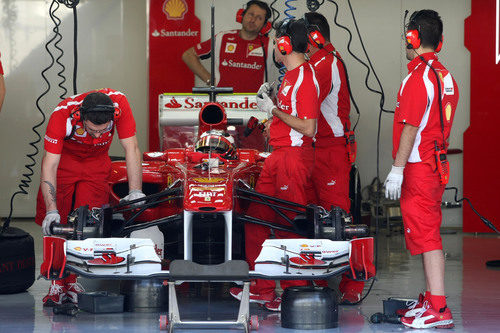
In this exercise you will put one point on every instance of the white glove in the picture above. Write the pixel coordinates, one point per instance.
(133, 195)
(52, 216)
(393, 183)
(265, 88)
(265, 104)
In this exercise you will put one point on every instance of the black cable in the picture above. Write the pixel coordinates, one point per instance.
(274, 11)
(55, 40)
(75, 48)
(26, 177)
(484, 219)
(368, 70)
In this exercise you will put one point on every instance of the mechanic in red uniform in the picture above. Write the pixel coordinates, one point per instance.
(286, 172)
(331, 163)
(240, 55)
(2, 86)
(76, 166)
(419, 125)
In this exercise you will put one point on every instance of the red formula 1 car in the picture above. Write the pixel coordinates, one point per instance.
(194, 212)
(198, 197)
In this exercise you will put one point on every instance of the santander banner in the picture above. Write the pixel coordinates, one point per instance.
(187, 102)
(481, 181)
(173, 28)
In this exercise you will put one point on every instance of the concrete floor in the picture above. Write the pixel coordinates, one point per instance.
(472, 289)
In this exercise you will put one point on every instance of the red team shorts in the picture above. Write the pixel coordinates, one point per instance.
(83, 181)
(421, 196)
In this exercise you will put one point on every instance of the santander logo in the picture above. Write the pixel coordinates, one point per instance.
(173, 104)
(194, 102)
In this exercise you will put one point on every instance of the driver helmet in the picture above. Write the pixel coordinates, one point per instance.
(218, 142)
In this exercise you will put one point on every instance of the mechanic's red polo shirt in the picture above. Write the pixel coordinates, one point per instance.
(239, 63)
(417, 105)
(299, 97)
(333, 96)
(58, 138)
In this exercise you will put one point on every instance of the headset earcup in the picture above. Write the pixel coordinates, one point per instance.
(266, 28)
(316, 38)
(117, 113)
(284, 45)
(440, 44)
(77, 115)
(239, 15)
(412, 39)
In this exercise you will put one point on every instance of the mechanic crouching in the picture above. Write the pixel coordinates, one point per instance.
(76, 166)
(286, 172)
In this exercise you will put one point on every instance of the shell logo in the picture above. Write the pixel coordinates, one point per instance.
(80, 131)
(208, 180)
(175, 9)
(252, 181)
(78, 248)
(447, 111)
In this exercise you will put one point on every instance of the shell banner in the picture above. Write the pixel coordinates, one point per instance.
(173, 28)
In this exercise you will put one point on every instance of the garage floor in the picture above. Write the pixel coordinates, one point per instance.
(473, 294)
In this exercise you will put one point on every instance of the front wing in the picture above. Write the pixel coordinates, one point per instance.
(133, 258)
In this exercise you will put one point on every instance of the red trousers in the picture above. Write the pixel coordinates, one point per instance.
(331, 177)
(84, 180)
(285, 175)
(331, 184)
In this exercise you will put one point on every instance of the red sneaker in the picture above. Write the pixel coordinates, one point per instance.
(413, 309)
(429, 317)
(73, 289)
(254, 298)
(350, 297)
(274, 305)
(56, 295)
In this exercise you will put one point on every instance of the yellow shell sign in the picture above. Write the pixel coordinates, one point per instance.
(208, 180)
(447, 111)
(175, 9)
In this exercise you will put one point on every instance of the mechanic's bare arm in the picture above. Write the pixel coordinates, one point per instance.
(48, 182)
(134, 162)
(192, 60)
(306, 127)
(405, 145)
(2, 91)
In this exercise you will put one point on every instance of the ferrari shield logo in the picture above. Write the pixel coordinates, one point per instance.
(255, 50)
